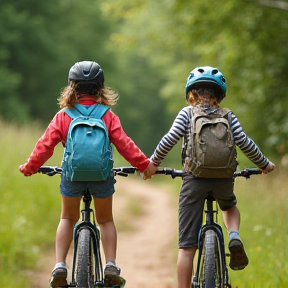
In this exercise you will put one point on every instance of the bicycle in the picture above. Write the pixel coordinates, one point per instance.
(87, 268)
(211, 269)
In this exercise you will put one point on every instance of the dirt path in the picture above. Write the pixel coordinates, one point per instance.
(146, 251)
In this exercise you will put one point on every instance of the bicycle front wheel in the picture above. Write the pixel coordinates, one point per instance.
(212, 270)
(84, 272)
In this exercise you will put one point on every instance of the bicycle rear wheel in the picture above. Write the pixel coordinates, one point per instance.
(84, 272)
(211, 271)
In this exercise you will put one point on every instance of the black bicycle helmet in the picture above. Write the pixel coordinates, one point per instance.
(209, 76)
(89, 71)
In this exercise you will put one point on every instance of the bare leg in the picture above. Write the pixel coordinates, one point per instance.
(105, 221)
(231, 218)
(64, 234)
(185, 267)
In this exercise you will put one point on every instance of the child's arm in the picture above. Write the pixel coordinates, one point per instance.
(249, 147)
(124, 144)
(44, 147)
(176, 132)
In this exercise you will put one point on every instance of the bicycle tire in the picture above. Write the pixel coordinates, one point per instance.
(213, 270)
(84, 265)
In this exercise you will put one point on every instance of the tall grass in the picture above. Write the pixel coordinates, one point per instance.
(29, 208)
(263, 203)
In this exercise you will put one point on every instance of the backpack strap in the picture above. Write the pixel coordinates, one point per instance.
(97, 110)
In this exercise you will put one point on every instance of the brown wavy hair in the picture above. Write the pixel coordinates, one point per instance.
(204, 97)
(69, 96)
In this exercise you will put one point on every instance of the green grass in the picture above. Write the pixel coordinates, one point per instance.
(263, 203)
(29, 208)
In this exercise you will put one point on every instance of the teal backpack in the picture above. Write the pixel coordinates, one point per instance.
(87, 154)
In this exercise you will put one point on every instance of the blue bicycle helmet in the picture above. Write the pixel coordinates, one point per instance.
(89, 71)
(207, 75)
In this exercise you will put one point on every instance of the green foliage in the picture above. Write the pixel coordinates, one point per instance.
(39, 44)
(263, 230)
(243, 39)
(147, 50)
(29, 208)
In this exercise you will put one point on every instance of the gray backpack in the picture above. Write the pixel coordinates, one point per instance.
(209, 150)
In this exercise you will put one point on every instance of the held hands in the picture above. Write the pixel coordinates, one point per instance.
(150, 171)
(269, 168)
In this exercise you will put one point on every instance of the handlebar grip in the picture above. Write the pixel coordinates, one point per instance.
(169, 171)
(50, 170)
(254, 171)
(125, 170)
(247, 172)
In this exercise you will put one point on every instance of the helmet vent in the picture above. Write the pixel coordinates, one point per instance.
(86, 72)
(201, 70)
(191, 76)
(214, 71)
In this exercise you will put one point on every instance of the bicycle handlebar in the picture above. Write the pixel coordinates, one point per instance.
(126, 170)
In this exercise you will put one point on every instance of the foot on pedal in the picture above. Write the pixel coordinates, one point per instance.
(238, 257)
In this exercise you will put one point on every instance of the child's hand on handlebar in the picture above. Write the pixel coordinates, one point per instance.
(150, 171)
(23, 169)
(269, 168)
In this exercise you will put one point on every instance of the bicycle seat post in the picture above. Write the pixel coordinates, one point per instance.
(210, 212)
(87, 210)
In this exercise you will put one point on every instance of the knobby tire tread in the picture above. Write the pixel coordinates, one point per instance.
(212, 263)
(83, 259)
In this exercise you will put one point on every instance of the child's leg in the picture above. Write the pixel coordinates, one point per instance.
(238, 257)
(231, 218)
(64, 234)
(185, 267)
(104, 217)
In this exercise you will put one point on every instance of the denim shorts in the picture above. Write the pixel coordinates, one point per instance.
(98, 189)
(191, 204)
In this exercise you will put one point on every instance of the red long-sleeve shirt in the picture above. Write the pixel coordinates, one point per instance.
(57, 132)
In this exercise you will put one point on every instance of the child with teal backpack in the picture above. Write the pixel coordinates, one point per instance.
(86, 97)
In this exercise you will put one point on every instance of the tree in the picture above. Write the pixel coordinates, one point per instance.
(40, 42)
(244, 39)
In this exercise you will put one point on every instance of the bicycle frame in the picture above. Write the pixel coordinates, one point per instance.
(209, 225)
(86, 223)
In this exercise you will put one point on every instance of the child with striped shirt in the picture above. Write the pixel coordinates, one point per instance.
(205, 88)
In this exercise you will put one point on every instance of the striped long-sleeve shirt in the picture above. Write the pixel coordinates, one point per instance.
(180, 128)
